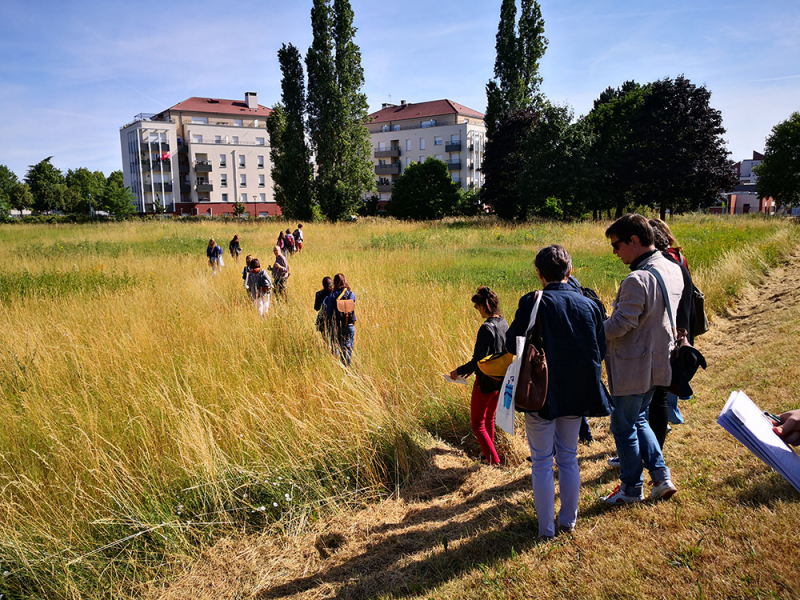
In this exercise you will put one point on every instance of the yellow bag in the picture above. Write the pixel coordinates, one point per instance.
(496, 365)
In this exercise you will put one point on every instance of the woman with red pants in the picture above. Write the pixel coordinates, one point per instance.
(485, 390)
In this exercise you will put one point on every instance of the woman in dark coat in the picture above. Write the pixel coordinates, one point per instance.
(574, 344)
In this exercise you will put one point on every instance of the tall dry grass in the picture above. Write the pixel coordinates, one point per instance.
(147, 408)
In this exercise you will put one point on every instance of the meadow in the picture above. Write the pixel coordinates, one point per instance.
(147, 410)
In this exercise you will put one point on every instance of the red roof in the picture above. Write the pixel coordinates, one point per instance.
(423, 110)
(221, 106)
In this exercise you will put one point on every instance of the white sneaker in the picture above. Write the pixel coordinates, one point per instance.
(618, 497)
(662, 489)
(614, 462)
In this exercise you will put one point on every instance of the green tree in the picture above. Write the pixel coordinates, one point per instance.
(292, 174)
(43, 179)
(424, 191)
(88, 186)
(239, 209)
(779, 173)
(504, 162)
(117, 199)
(20, 197)
(337, 111)
(7, 181)
(558, 175)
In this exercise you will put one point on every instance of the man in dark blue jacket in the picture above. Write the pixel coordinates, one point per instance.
(574, 344)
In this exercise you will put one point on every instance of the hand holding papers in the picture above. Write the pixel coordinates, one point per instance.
(747, 423)
(460, 379)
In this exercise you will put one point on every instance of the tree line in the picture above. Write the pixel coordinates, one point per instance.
(45, 189)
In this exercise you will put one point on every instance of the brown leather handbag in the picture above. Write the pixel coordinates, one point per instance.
(530, 394)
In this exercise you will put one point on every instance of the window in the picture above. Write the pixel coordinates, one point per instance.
(237, 123)
(437, 141)
(396, 127)
(262, 197)
(261, 181)
(197, 139)
(408, 161)
(243, 197)
(421, 159)
(260, 162)
(438, 156)
(217, 139)
(384, 128)
(456, 177)
(200, 120)
(223, 180)
(381, 146)
(236, 139)
(241, 160)
(259, 141)
(455, 138)
(408, 145)
(223, 160)
(224, 197)
(422, 143)
(243, 180)
(425, 124)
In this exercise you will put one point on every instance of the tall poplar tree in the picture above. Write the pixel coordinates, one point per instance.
(292, 174)
(337, 111)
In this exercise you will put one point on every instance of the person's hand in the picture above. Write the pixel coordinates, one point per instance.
(789, 429)
(454, 374)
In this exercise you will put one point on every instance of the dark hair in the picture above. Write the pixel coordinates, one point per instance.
(299, 225)
(340, 281)
(631, 225)
(660, 240)
(659, 226)
(554, 263)
(254, 264)
(327, 282)
(487, 299)
(288, 232)
(281, 235)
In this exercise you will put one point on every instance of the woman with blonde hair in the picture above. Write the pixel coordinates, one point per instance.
(214, 254)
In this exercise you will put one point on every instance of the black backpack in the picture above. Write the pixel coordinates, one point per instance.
(590, 294)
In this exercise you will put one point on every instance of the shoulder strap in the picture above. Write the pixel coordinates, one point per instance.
(535, 310)
(664, 293)
(344, 291)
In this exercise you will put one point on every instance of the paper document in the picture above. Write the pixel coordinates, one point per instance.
(460, 379)
(747, 423)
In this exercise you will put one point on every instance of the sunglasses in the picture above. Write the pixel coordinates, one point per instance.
(615, 245)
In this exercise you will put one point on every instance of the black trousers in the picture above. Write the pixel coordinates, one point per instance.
(659, 415)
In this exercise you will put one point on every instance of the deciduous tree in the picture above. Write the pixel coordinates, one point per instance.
(424, 191)
(779, 173)
(43, 179)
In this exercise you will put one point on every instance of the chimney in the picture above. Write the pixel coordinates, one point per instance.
(251, 99)
(402, 102)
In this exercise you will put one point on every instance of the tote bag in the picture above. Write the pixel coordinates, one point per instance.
(504, 417)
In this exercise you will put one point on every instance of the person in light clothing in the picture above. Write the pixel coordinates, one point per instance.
(639, 339)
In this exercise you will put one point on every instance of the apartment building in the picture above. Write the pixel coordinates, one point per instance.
(411, 132)
(200, 157)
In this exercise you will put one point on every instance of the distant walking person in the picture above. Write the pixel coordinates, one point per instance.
(321, 324)
(235, 248)
(259, 286)
(289, 238)
(281, 243)
(340, 307)
(280, 272)
(485, 390)
(246, 269)
(298, 238)
(214, 254)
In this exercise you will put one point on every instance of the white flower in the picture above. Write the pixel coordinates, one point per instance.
(275, 504)
(288, 497)
(262, 508)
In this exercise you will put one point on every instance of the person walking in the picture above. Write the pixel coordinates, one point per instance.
(574, 344)
(235, 248)
(281, 243)
(214, 254)
(639, 341)
(259, 286)
(298, 238)
(491, 339)
(340, 308)
(280, 272)
(321, 323)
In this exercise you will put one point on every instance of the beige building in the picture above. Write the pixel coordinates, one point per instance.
(201, 156)
(406, 133)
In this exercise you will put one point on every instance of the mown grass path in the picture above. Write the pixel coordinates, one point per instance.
(467, 531)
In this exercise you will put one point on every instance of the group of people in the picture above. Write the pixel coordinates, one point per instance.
(635, 342)
(289, 242)
(336, 315)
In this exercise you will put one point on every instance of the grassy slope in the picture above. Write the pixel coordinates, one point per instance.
(143, 398)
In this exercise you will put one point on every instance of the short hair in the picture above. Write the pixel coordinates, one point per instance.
(254, 264)
(660, 240)
(631, 225)
(659, 225)
(340, 281)
(299, 225)
(554, 263)
(327, 282)
(487, 299)
(247, 259)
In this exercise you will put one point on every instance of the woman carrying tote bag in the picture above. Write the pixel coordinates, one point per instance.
(485, 390)
(573, 341)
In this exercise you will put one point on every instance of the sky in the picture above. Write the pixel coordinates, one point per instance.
(73, 72)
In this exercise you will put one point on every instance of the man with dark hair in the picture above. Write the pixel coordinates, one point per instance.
(554, 263)
(639, 340)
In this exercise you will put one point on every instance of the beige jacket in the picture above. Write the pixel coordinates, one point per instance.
(638, 333)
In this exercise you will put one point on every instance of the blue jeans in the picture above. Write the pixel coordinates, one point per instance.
(636, 442)
(343, 343)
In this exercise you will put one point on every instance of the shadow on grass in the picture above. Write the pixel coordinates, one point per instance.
(388, 566)
(766, 489)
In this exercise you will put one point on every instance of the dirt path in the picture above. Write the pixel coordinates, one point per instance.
(439, 528)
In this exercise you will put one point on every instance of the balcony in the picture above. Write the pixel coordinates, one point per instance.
(183, 167)
(454, 165)
(202, 166)
(205, 187)
(183, 148)
(384, 187)
(453, 147)
(146, 166)
(390, 153)
(186, 188)
(393, 169)
(167, 187)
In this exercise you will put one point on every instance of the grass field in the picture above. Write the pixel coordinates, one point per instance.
(147, 410)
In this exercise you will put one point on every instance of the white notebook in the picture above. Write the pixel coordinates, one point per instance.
(747, 423)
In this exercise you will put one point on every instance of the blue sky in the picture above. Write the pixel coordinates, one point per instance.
(72, 73)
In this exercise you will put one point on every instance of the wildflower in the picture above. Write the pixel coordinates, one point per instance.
(275, 504)
(262, 508)
(244, 495)
(288, 497)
